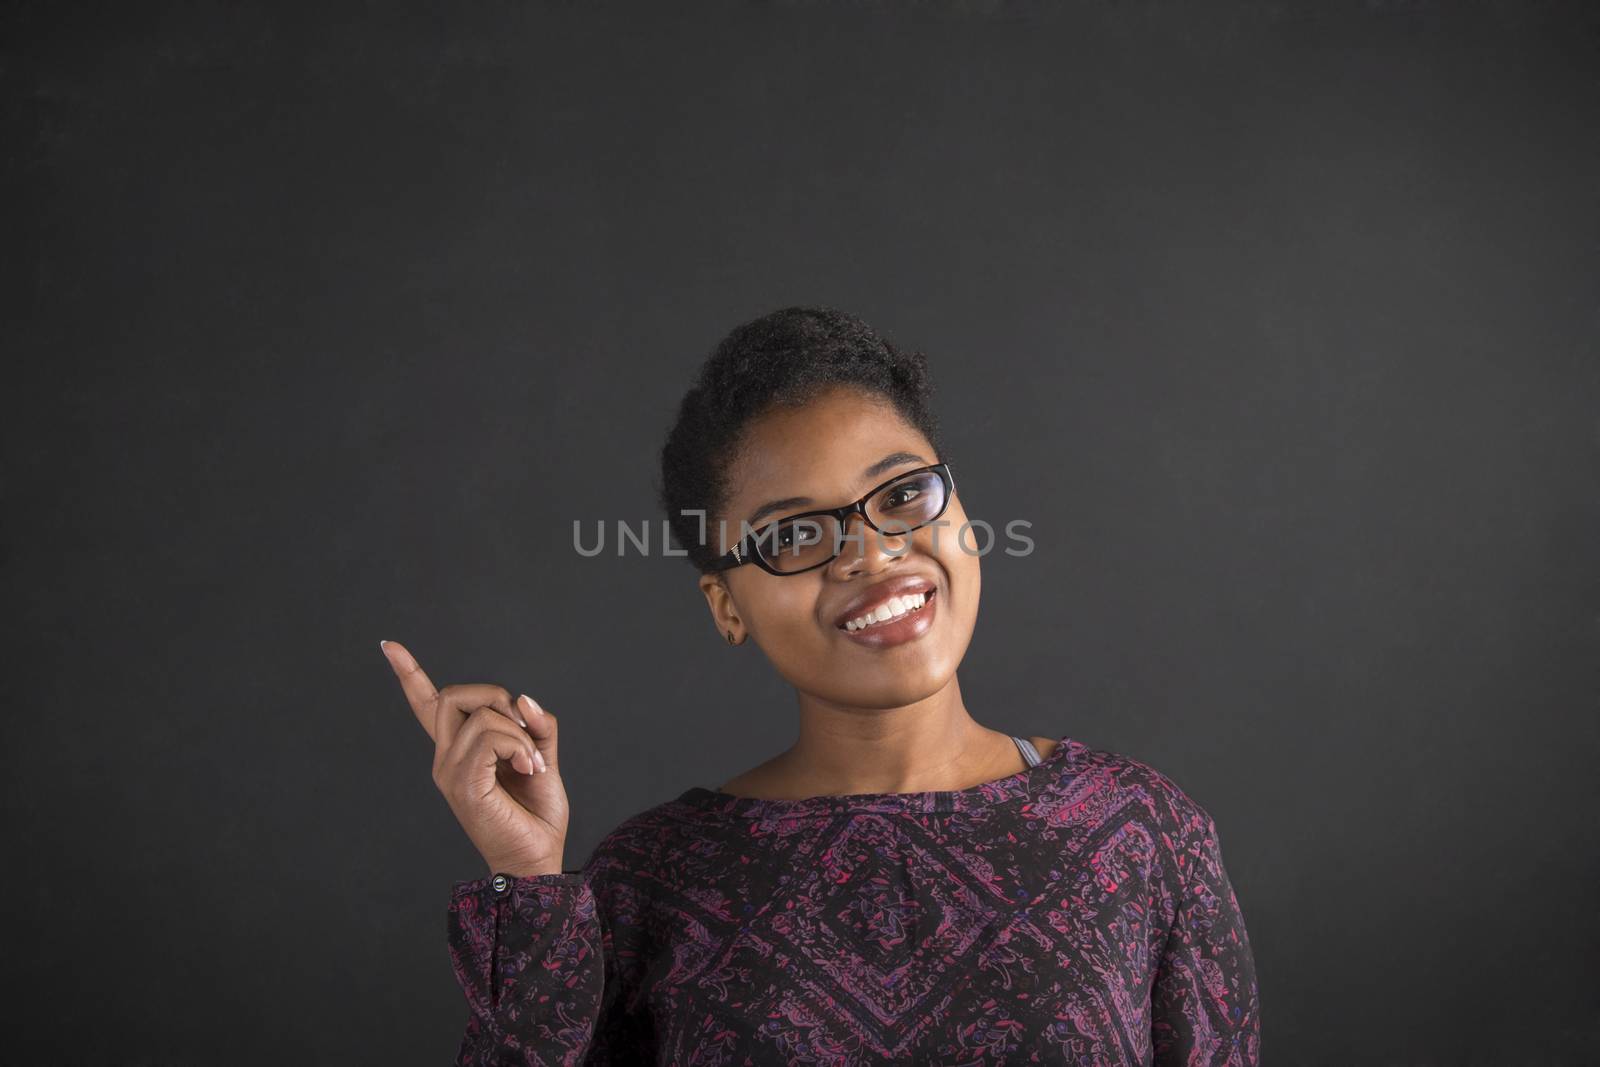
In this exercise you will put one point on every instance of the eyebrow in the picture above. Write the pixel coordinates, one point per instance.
(887, 463)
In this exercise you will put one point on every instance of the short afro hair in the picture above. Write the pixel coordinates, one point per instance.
(787, 357)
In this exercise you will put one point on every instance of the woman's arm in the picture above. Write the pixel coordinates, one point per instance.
(531, 956)
(530, 943)
(1205, 1007)
(551, 967)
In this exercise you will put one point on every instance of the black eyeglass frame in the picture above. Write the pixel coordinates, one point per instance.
(747, 550)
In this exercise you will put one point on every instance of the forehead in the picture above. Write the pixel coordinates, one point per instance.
(819, 450)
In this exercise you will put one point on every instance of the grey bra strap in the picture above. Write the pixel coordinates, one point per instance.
(1029, 753)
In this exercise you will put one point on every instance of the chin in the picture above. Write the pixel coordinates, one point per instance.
(895, 691)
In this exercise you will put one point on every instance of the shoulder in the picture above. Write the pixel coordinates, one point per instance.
(1113, 804)
(1113, 781)
(635, 842)
(647, 847)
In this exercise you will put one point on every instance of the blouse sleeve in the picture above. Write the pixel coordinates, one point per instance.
(532, 956)
(1205, 1010)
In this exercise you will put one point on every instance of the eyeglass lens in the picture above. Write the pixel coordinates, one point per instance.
(903, 505)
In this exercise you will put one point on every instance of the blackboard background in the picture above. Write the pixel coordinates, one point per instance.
(1278, 321)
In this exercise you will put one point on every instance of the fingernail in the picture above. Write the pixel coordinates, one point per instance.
(533, 705)
(538, 759)
(383, 647)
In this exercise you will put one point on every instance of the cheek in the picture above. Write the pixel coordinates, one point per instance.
(787, 606)
(957, 552)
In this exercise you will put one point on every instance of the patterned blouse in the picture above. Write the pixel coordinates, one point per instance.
(1075, 912)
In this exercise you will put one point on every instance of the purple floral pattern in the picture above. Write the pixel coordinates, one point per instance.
(1076, 912)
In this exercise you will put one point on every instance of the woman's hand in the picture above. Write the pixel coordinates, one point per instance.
(494, 759)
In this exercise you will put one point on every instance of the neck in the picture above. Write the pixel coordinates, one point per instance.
(931, 744)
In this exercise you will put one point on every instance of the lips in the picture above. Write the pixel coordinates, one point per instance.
(870, 598)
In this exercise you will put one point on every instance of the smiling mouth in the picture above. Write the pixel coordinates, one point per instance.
(891, 611)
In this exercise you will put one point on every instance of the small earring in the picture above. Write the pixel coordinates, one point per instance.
(730, 637)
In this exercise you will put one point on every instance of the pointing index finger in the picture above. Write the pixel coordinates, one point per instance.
(420, 692)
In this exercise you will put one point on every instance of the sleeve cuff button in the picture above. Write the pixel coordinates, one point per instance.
(500, 883)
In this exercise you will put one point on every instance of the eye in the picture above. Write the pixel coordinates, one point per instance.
(796, 535)
(903, 494)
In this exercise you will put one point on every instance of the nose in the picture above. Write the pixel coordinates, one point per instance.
(863, 549)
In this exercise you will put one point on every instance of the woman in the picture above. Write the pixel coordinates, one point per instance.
(901, 885)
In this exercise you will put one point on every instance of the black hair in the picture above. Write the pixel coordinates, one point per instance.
(786, 357)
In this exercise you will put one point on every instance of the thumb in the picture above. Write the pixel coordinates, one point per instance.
(541, 727)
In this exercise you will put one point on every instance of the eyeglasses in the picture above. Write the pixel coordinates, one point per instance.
(813, 539)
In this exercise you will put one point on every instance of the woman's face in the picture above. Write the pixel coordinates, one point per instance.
(830, 452)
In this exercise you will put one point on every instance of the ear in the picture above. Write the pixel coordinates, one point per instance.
(719, 598)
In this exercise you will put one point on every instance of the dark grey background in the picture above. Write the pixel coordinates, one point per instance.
(1277, 321)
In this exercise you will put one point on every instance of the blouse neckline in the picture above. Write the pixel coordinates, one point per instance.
(1023, 783)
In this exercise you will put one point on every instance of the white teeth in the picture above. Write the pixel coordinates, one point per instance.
(893, 608)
